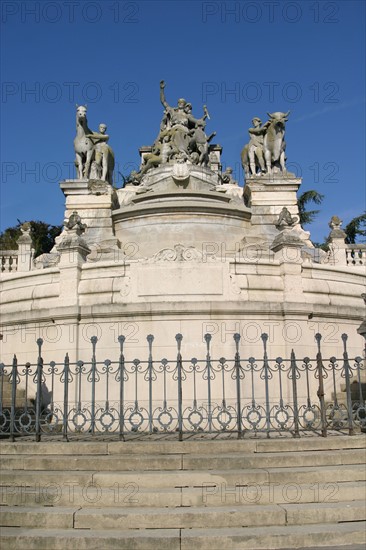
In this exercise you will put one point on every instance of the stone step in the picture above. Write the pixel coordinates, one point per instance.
(53, 448)
(32, 478)
(325, 512)
(130, 495)
(263, 538)
(183, 462)
(186, 478)
(42, 518)
(64, 495)
(181, 518)
(253, 538)
(87, 462)
(271, 460)
(318, 474)
(202, 446)
(72, 539)
(157, 494)
(143, 518)
(312, 444)
(261, 494)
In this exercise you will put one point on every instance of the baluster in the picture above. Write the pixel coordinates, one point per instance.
(150, 339)
(320, 392)
(28, 372)
(279, 363)
(251, 361)
(94, 341)
(53, 371)
(179, 339)
(308, 393)
(107, 364)
(121, 340)
(294, 375)
(347, 375)
(264, 337)
(39, 390)
(66, 395)
(164, 362)
(2, 375)
(208, 368)
(238, 378)
(80, 366)
(14, 381)
(222, 363)
(194, 363)
(360, 411)
(335, 406)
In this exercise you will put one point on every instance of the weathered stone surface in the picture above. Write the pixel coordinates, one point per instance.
(104, 463)
(44, 518)
(311, 443)
(281, 493)
(31, 478)
(325, 512)
(318, 474)
(180, 478)
(274, 537)
(37, 539)
(278, 503)
(54, 448)
(181, 518)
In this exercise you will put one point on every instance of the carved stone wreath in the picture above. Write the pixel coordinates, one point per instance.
(179, 253)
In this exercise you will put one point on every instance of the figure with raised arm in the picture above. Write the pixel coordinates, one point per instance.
(180, 121)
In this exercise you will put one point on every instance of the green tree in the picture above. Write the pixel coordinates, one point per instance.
(356, 229)
(43, 236)
(311, 196)
(8, 238)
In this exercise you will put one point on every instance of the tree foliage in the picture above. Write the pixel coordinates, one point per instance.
(356, 229)
(43, 236)
(311, 196)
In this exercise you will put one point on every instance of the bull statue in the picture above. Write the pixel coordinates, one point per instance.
(266, 148)
(274, 144)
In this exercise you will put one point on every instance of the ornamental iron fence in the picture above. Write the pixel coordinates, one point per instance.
(243, 396)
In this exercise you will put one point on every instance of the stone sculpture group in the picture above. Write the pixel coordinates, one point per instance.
(265, 151)
(181, 140)
(94, 157)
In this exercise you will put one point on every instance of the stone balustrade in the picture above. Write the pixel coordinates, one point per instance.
(8, 260)
(20, 259)
(356, 254)
(16, 260)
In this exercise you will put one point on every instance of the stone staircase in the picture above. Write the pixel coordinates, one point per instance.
(202, 494)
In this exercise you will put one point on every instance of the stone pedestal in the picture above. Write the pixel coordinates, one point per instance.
(93, 200)
(73, 251)
(287, 249)
(337, 245)
(337, 252)
(362, 328)
(25, 252)
(173, 208)
(267, 195)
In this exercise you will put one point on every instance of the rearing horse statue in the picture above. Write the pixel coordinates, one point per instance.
(83, 146)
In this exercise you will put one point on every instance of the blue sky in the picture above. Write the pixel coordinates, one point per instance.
(242, 59)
